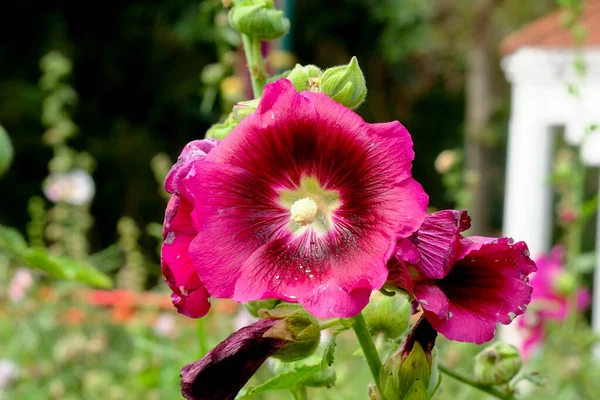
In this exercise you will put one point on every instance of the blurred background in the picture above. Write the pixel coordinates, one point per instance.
(99, 99)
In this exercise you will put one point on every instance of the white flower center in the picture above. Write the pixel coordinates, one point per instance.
(304, 211)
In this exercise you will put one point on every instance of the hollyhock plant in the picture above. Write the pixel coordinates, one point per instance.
(552, 288)
(303, 201)
(465, 286)
(189, 294)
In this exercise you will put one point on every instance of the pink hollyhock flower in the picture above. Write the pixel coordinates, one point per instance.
(549, 300)
(223, 372)
(465, 286)
(304, 202)
(189, 294)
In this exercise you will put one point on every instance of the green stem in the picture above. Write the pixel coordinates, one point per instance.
(329, 324)
(201, 335)
(368, 347)
(255, 64)
(487, 389)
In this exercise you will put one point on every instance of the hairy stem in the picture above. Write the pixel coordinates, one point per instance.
(329, 323)
(255, 64)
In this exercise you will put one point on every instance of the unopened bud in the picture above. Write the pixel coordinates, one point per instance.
(221, 129)
(497, 364)
(258, 19)
(345, 84)
(299, 329)
(6, 151)
(565, 284)
(387, 314)
(411, 373)
(302, 76)
(244, 108)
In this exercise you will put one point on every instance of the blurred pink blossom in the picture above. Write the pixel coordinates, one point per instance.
(551, 290)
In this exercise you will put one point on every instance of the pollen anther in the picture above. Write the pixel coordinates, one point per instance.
(304, 211)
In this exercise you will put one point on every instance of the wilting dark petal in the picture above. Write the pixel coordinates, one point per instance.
(222, 373)
(422, 333)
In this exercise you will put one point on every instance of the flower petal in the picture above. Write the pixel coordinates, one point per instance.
(236, 214)
(189, 295)
(488, 286)
(306, 269)
(438, 241)
(223, 372)
(192, 152)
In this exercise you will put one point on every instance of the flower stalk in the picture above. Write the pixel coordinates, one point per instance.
(484, 388)
(368, 347)
(255, 64)
(201, 335)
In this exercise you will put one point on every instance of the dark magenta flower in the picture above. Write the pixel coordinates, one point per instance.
(303, 201)
(189, 295)
(465, 286)
(552, 287)
(223, 372)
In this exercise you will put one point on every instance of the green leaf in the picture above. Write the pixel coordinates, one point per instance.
(329, 351)
(83, 272)
(589, 207)
(41, 260)
(285, 381)
(65, 268)
(11, 240)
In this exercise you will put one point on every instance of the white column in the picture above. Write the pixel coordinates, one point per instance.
(596, 298)
(528, 195)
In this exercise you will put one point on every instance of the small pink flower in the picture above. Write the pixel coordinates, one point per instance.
(189, 295)
(303, 201)
(548, 302)
(465, 286)
(20, 284)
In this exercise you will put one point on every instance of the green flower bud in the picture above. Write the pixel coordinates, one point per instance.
(258, 19)
(303, 77)
(565, 284)
(345, 84)
(6, 151)
(497, 364)
(409, 376)
(244, 108)
(212, 74)
(387, 314)
(411, 372)
(254, 307)
(297, 327)
(222, 129)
